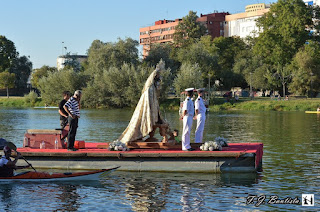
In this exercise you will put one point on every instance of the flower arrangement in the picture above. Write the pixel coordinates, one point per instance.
(118, 146)
(217, 144)
(223, 141)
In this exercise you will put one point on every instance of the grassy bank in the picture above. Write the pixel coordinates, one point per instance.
(19, 102)
(218, 104)
(266, 104)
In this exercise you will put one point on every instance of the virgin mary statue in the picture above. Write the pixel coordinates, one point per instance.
(147, 113)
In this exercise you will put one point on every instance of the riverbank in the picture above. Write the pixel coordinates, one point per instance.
(20, 102)
(217, 104)
(265, 104)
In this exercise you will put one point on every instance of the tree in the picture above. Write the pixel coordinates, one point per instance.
(7, 53)
(161, 51)
(227, 50)
(284, 32)
(7, 80)
(305, 69)
(197, 53)
(187, 77)
(55, 83)
(21, 67)
(121, 87)
(105, 55)
(37, 74)
(188, 30)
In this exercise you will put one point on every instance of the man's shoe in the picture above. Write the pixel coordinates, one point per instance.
(190, 149)
(73, 149)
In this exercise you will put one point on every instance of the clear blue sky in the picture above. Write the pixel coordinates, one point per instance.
(38, 27)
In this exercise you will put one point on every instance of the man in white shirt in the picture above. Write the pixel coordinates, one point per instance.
(200, 116)
(187, 116)
(7, 166)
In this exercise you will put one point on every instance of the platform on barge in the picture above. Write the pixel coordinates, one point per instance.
(238, 157)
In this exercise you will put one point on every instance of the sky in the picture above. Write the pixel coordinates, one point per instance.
(40, 29)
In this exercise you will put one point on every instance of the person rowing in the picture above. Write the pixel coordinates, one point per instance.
(7, 166)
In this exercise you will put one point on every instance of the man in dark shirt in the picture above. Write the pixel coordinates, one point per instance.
(63, 113)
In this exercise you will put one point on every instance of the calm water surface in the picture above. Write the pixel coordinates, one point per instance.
(290, 166)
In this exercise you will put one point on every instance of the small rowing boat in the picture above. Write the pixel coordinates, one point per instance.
(312, 111)
(46, 107)
(32, 176)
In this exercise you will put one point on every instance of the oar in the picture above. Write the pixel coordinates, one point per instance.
(12, 146)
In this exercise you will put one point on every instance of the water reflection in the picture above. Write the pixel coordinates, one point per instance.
(191, 192)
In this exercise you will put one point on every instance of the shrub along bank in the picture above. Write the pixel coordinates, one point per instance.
(217, 104)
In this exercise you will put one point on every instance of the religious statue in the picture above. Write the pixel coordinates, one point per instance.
(146, 117)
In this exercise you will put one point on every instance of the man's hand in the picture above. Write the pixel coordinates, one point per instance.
(18, 155)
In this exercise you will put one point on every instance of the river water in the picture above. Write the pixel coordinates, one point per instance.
(290, 166)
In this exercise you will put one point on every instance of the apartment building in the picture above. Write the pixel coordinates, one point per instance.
(162, 31)
(244, 24)
(256, 7)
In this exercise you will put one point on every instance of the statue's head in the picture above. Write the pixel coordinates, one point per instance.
(160, 66)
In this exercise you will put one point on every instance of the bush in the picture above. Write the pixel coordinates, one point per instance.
(55, 83)
(31, 98)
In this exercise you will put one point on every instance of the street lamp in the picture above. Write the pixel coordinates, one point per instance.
(251, 85)
(311, 76)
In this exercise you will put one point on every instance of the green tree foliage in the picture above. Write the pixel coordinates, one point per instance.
(31, 98)
(188, 30)
(37, 74)
(188, 76)
(7, 53)
(252, 69)
(161, 51)
(52, 86)
(7, 80)
(105, 55)
(227, 50)
(305, 69)
(197, 53)
(121, 87)
(21, 67)
(284, 31)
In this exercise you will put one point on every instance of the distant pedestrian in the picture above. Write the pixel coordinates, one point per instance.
(62, 112)
(187, 116)
(200, 116)
(72, 107)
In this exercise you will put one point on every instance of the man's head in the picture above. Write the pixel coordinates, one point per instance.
(6, 150)
(77, 94)
(189, 91)
(66, 94)
(200, 91)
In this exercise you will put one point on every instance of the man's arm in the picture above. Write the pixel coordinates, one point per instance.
(14, 162)
(67, 110)
(62, 114)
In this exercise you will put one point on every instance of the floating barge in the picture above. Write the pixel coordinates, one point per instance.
(238, 157)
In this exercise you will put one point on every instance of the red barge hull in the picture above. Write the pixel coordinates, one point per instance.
(238, 157)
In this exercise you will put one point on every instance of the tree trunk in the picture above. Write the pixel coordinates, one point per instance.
(7, 92)
(284, 89)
